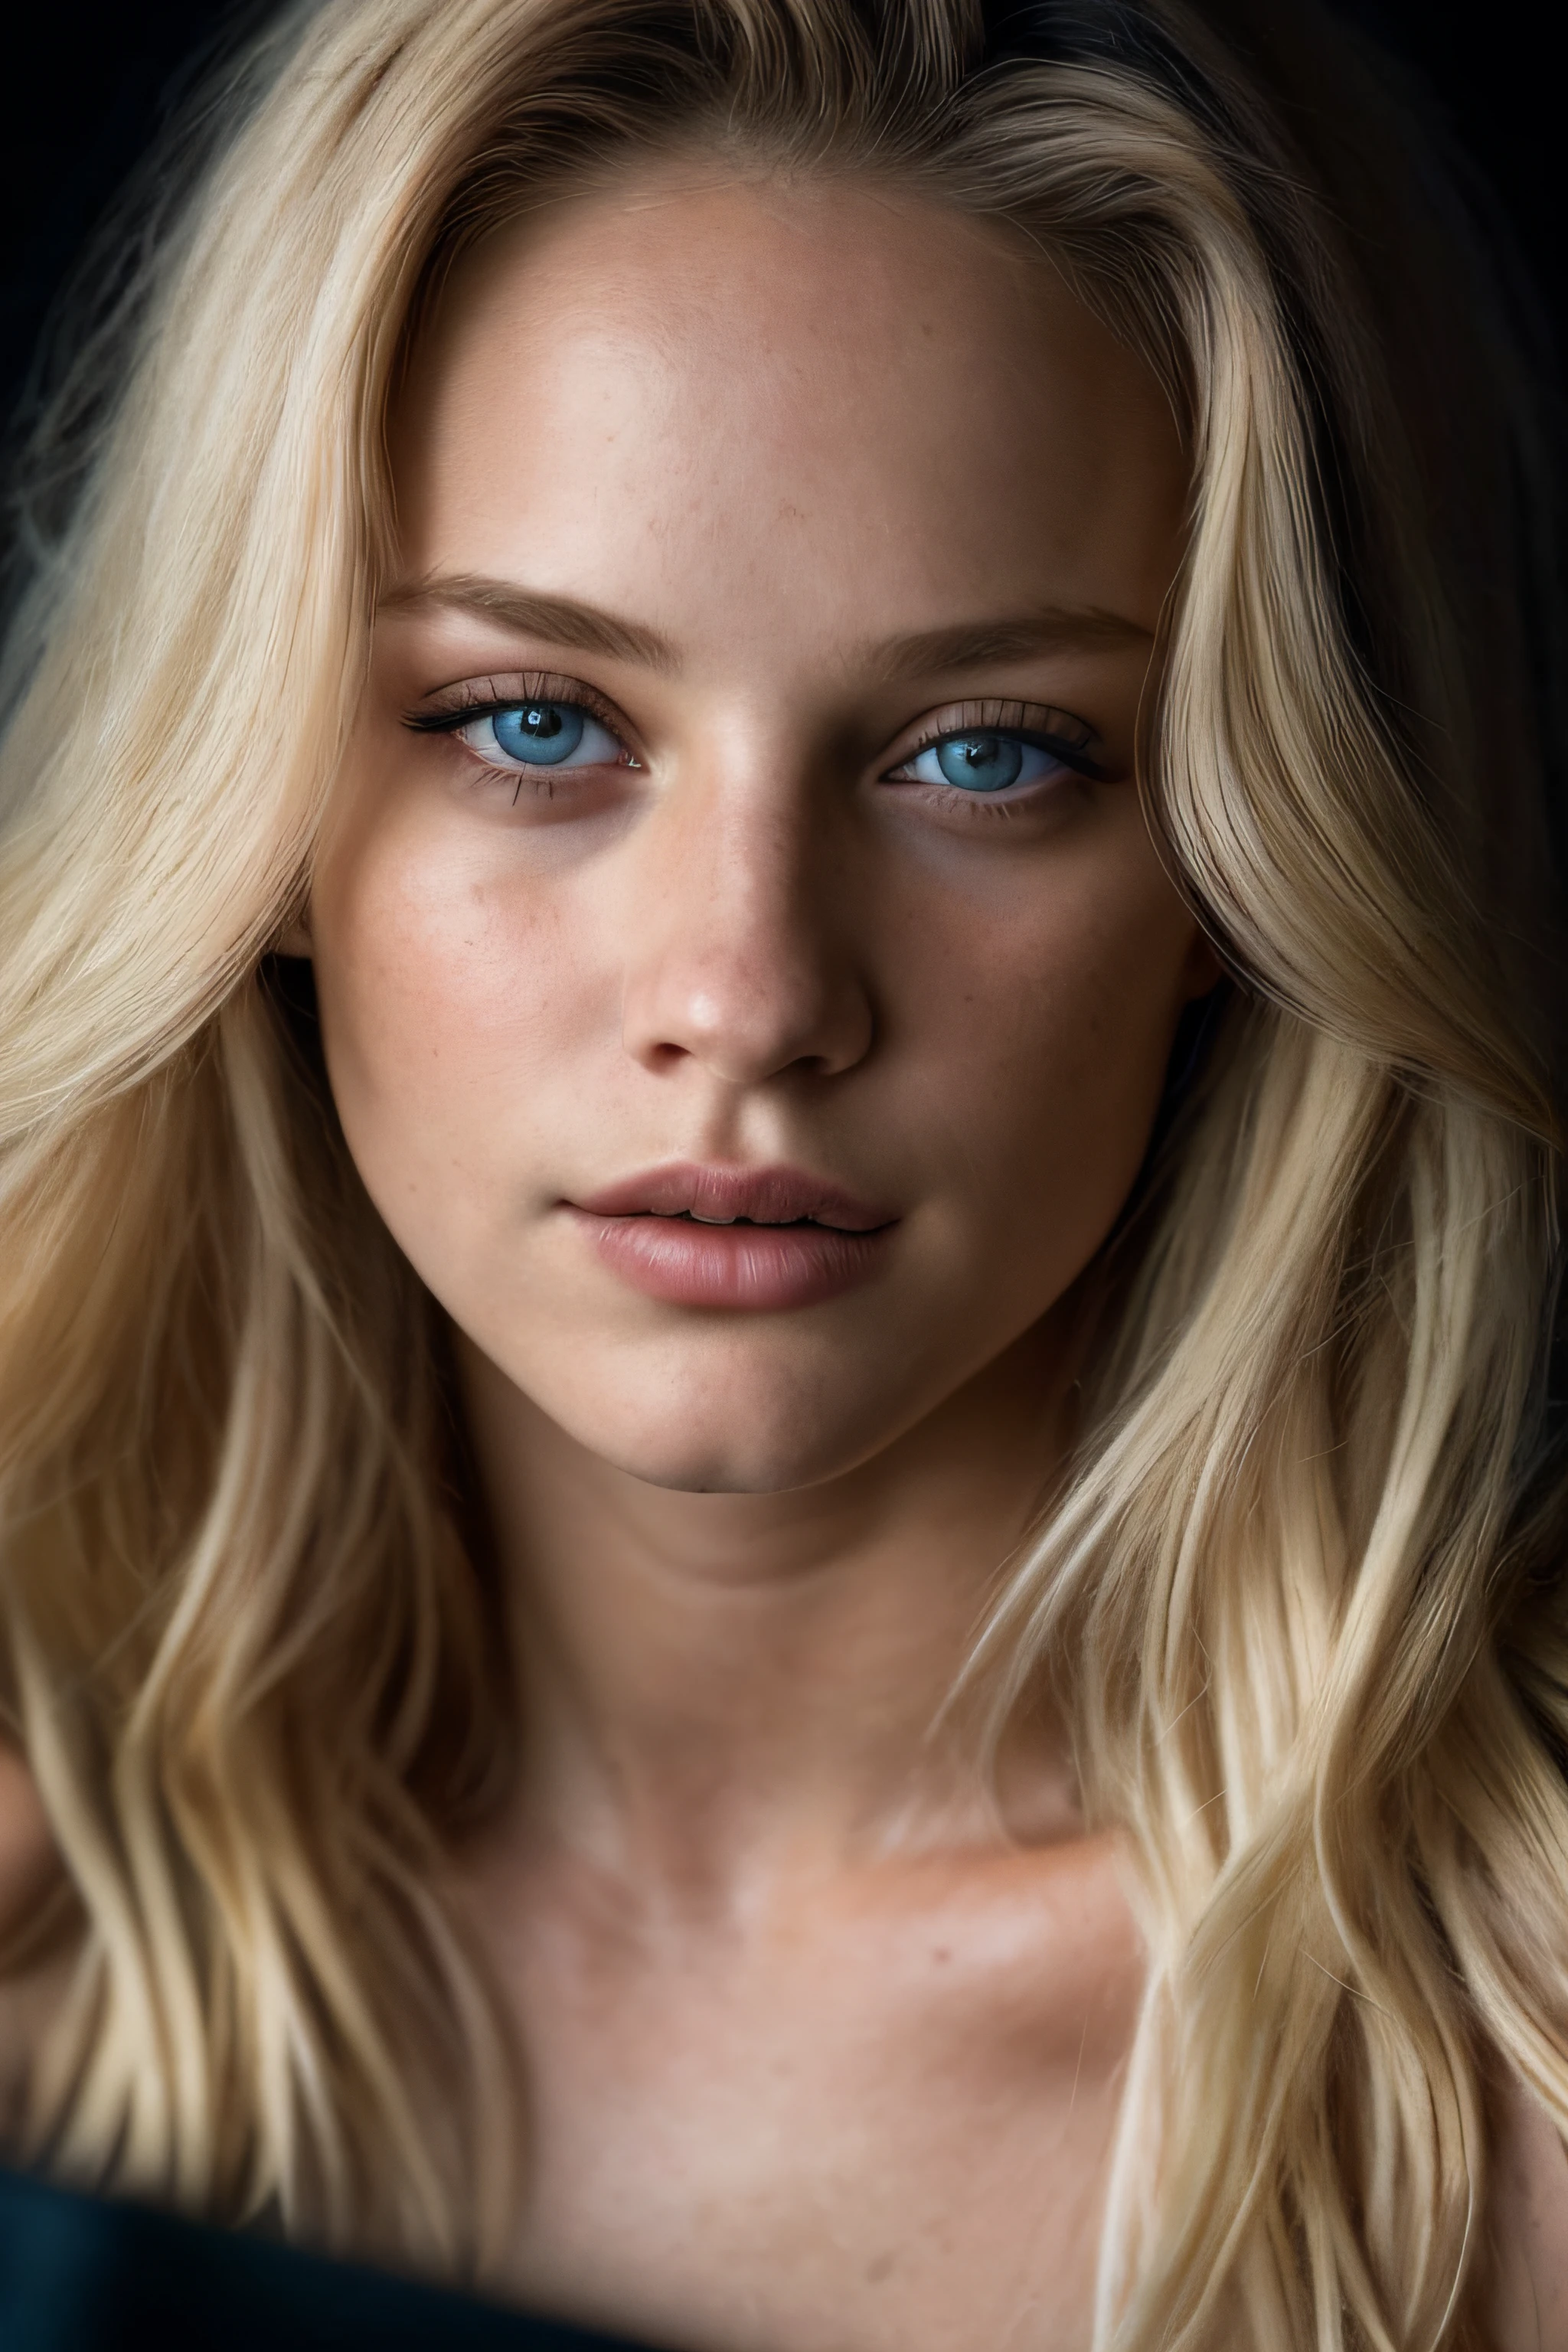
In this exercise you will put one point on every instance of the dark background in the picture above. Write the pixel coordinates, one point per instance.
(86, 90)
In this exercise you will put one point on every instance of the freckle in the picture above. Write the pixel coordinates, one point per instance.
(881, 2269)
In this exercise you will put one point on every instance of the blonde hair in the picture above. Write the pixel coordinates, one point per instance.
(1301, 1585)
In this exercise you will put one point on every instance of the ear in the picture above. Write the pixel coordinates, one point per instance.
(294, 939)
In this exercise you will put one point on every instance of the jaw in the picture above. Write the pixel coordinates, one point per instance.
(708, 1404)
(748, 1418)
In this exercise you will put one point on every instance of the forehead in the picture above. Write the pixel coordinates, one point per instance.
(703, 391)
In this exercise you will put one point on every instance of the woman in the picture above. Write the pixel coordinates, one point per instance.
(781, 1551)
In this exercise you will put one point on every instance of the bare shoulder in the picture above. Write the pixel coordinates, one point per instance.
(1524, 2304)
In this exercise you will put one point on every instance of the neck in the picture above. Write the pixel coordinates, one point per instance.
(718, 1684)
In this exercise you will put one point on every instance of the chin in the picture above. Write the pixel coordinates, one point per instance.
(726, 1459)
(733, 1437)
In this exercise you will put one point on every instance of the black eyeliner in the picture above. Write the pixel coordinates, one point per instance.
(1074, 755)
(446, 723)
(544, 687)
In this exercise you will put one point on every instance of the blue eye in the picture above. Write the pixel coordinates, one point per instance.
(984, 761)
(540, 735)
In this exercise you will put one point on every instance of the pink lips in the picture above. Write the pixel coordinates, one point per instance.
(737, 1237)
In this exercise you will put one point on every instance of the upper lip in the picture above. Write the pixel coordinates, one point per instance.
(764, 1196)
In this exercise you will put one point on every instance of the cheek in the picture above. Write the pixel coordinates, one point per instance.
(1046, 1022)
(450, 993)
(471, 988)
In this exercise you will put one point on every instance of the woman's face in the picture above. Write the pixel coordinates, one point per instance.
(740, 822)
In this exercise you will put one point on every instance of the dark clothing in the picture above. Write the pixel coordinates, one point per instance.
(80, 2274)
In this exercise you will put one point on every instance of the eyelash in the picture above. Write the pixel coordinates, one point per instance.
(1020, 719)
(532, 686)
(1003, 718)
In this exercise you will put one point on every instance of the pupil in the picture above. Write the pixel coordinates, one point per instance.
(981, 763)
(544, 733)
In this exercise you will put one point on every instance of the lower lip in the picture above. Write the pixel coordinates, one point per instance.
(759, 1267)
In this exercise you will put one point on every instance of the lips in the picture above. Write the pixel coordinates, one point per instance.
(764, 1196)
(758, 1238)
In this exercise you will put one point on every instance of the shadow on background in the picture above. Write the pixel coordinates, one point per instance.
(95, 82)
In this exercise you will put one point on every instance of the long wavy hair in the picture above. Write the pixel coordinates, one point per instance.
(1300, 1586)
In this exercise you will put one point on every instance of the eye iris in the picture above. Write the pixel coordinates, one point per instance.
(981, 763)
(540, 732)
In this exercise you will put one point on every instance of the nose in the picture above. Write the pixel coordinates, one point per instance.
(742, 954)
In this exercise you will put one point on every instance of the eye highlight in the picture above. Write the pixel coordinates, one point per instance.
(540, 735)
(997, 750)
(543, 732)
(983, 763)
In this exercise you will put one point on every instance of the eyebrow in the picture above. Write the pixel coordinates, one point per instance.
(1054, 628)
(556, 620)
(586, 628)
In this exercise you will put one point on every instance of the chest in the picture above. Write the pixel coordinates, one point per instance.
(874, 2127)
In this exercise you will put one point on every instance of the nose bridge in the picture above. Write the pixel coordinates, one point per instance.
(740, 957)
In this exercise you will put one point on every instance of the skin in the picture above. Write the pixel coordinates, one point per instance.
(823, 2044)
(820, 2049)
